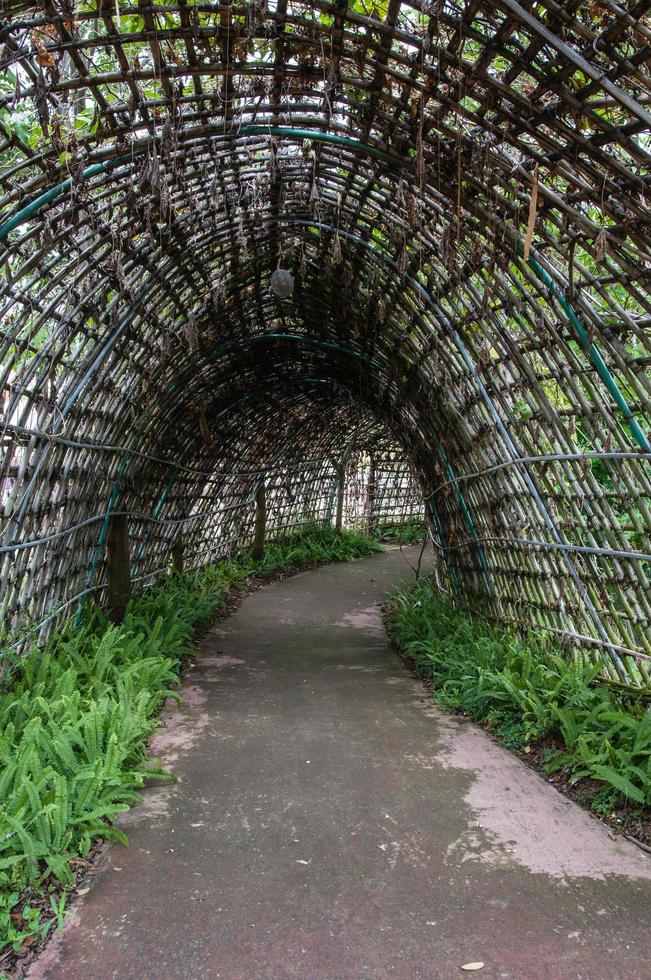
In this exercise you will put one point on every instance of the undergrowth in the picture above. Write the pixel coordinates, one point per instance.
(526, 693)
(412, 532)
(75, 719)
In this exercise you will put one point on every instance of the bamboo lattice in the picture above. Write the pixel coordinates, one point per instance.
(461, 192)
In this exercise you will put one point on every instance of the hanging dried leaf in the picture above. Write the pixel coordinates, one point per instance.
(44, 58)
(403, 260)
(533, 207)
(204, 428)
(421, 172)
(192, 333)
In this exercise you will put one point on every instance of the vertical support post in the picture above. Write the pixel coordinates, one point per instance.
(260, 520)
(370, 496)
(118, 568)
(178, 549)
(341, 488)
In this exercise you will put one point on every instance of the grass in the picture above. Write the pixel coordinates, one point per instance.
(528, 695)
(76, 717)
(412, 532)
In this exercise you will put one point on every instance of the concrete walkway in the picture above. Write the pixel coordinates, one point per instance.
(329, 823)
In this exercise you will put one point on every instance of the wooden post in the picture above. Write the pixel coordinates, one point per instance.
(341, 488)
(118, 568)
(260, 519)
(370, 496)
(177, 556)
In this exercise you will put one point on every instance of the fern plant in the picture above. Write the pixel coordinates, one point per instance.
(524, 691)
(75, 719)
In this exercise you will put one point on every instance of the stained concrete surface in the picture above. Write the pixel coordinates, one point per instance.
(330, 823)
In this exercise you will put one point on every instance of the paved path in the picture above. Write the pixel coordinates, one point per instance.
(329, 823)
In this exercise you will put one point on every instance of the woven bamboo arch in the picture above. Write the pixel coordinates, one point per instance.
(461, 191)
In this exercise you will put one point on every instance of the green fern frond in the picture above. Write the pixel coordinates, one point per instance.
(615, 779)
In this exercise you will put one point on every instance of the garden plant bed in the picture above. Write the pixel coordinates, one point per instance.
(632, 822)
(185, 608)
(409, 620)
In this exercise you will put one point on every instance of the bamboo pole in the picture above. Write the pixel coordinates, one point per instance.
(341, 487)
(178, 549)
(260, 521)
(118, 568)
(370, 495)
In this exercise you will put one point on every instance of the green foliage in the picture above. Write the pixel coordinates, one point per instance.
(313, 547)
(20, 920)
(411, 532)
(75, 719)
(525, 692)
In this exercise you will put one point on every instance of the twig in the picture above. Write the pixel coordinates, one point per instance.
(638, 843)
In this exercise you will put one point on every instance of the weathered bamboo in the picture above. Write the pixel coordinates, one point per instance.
(118, 568)
(370, 495)
(341, 491)
(260, 522)
(389, 164)
(178, 552)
